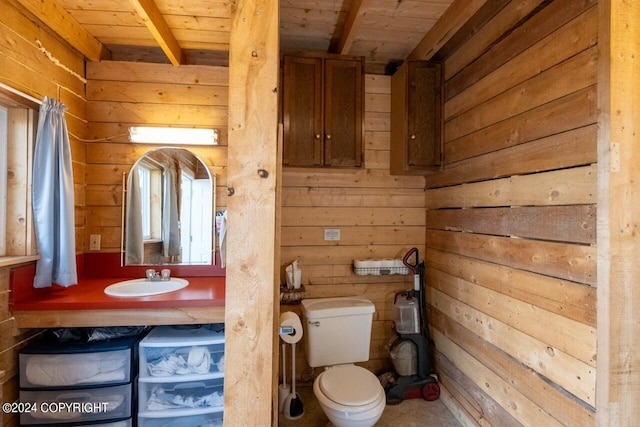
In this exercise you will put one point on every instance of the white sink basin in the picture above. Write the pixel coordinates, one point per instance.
(144, 287)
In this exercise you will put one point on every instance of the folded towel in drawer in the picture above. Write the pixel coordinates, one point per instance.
(160, 401)
(198, 361)
(72, 369)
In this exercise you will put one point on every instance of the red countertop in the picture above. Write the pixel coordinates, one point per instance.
(89, 294)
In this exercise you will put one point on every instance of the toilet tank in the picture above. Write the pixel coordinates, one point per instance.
(337, 330)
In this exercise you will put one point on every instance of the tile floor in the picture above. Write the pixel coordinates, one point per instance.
(409, 413)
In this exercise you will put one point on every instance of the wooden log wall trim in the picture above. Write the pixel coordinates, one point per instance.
(140, 71)
(123, 94)
(511, 219)
(251, 306)
(379, 216)
(618, 211)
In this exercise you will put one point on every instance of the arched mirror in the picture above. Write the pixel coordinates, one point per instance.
(168, 215)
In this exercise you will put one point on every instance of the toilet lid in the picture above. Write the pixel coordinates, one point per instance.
(350, 385)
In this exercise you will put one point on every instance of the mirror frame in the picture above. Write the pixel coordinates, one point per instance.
(123, 212)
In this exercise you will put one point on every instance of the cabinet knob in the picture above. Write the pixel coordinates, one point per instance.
(413, 136)
(317, 136)
(329, 136)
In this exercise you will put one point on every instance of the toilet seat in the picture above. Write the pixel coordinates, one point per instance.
(350, 385)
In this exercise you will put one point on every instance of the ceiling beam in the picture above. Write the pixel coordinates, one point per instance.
(153, 19)
(352, 25)
(66, 26)
(456, 15)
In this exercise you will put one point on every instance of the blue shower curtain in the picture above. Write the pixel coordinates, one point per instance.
(53, 203)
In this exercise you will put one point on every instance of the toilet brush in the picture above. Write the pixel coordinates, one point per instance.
(283, 389)
(293, 408)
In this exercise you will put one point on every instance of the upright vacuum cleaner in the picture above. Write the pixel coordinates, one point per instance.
(412, 326)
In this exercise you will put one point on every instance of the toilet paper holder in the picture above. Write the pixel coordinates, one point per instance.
(287, 330)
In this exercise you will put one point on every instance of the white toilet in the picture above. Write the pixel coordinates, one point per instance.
(338, 334)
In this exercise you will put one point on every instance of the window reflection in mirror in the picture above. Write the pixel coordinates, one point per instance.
(169, 210)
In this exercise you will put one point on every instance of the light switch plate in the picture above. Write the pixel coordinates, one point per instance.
(94, 242)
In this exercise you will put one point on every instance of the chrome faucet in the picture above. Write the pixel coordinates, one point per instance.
(154, 276)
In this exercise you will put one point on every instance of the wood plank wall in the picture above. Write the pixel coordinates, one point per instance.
(124, 94)
(511, 219)
(37, 64)
(379, 216)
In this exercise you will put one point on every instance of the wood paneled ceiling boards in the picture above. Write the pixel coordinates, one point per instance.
(197, 31)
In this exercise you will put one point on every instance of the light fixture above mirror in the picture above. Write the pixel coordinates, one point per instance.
(171, 135)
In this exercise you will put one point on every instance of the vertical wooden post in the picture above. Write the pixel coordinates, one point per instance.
(618, 375)
(250, 312)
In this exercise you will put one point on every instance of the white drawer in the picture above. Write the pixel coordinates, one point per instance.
(76, 406)
(209, 420)
(49, 363)
(167, 399)
(169, 351)
(185, 361)
(75, 369)
(123, 423)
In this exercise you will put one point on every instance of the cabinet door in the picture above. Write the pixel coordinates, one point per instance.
(302, 111)
(343, 113)
(424, 112)
(416, 118)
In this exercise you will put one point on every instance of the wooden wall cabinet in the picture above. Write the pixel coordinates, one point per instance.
(416, 118)
(322, 109)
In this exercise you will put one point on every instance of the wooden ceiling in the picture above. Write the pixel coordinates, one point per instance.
(197, 31)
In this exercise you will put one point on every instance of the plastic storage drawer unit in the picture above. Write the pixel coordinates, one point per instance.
(76, 405)
(78, 383)
(50, 364)
(181, 376)
(188, 398)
